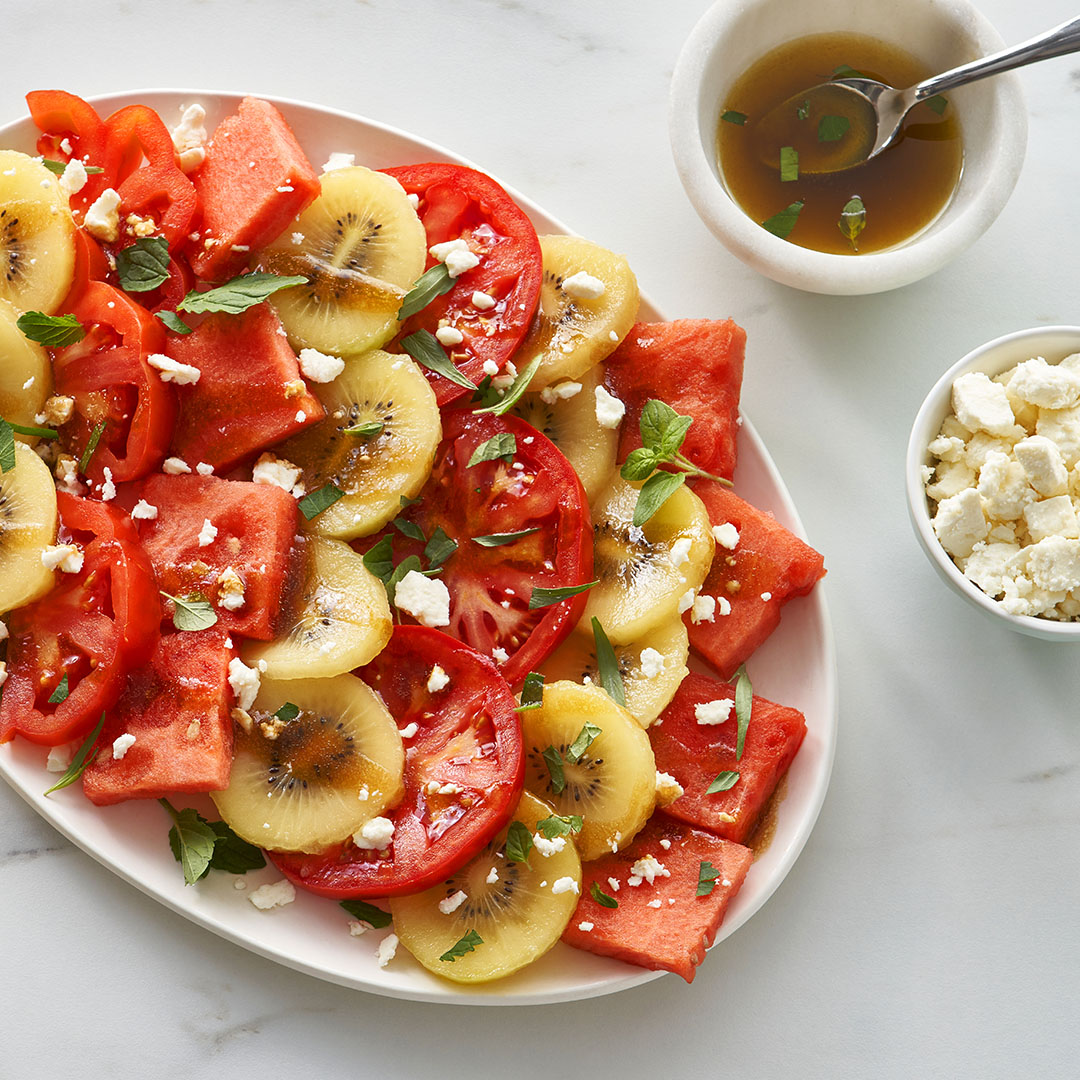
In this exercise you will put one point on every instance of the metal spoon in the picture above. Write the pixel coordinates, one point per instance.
(876, 111)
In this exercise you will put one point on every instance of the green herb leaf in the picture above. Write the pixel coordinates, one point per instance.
(52, 331)
(555, 769)
(58, 167)
(674, 436)
(789, 164)
(532, 691)
(379, 558)
(61, 692)
(366, 430)
(144, 265)
(409, 529)
(498, 539)
(744, 701)
(725, 781)
(656, 417)
(803, 111)
(519, 842)
(466, 945)
(556, 825)
(311, 506)
(91, 446)
(654, 493)
(435, 282)
(782, 223)
(503, 445)
(853, 220)
(602, 897)
(407, 502)
(192, 612)
(938, 103)
(37, 432)
(832, 128)
(7, 447)
(192, 841)
(541, 597)
(707, 875)
(173, 322)
(81, 759)
(516, 389)
(375, 917)
(733, 117)
(846, 72)
(610, 676)
(232, 854)
(402, 568)
(423, 346)
(439, 548)
(486, 394)
(639, 464)
(585, 738)
(287, 712)
(239, 294)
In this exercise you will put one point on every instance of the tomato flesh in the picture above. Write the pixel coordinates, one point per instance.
(467, 735)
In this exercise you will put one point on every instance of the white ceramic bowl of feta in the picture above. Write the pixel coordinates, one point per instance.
(733, 34)
(1052, 343)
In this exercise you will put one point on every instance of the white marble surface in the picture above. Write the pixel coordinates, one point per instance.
(929, 928)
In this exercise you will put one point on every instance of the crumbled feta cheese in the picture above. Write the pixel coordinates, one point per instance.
(652, 663)
(1046, 386)
(3, 672)
(374, 835)
(102, 218)
(3, 630)
(230, 590)
(493, 876)
(499, 655)
(387, 949)
(1051, 517)
(668, 789)
(122, 744)
(766, 596)
(449, 335)
(482, 301)
(301, 416)
(609, 409)
(665, 844)
(358, 928)
(426, 599)
(207, 534)
(414, 199)
(58, 409)
(319, 367)
(175, 466)
(204, 470)
(686, 601)
(409, 730)
(338, 160)
(173, 371)
(547, 847)
(107, 487)
(561, 392)
(277, 472)
(583, 286)
(141, 226)
(189, 138)
(272, 895)
(982, 405)
(704, 609)
(1043, 465)
(491, 368)
(648, 869)
(585, 927)
(456, 255)
(66, 557)
(714, 712)
(67, 473)
(244, 682)
(453, 902)
(726, 535)
(73, 178)
(564, 885)
(59, 759)
(680, 550)
(437, 680)
(960, 522)
(613, 883)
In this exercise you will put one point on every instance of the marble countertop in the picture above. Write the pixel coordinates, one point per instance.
(928, 928)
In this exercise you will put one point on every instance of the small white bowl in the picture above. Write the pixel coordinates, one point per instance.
(733, 34)
(1053, 343)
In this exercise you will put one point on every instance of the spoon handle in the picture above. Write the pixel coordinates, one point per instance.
(1057, 42)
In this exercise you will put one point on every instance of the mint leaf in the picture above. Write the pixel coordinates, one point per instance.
(938, 103)
(557, 825)
(58, 167)
(674, 436)
(532, 692)
(744, 702)
(707, 875)
(144, 265)
(789, 164)
(467, 944)
(782, 223)
(239, 294)
(81, 760)
(602, 897)
(656, 417)
(639, 464)
(608, 665)
(52, 331)
(439, 548)
(375, 917)
(366, 430)
(61, 692)
(402, 568)
(7, 447)
(287, 712)
(654, 493)
(725, 781)
(586, 736)
(434, 282)
(503, 445)
(91, 446)
(173, 322)
(424, 348)
(192, 841)
(832, 128)
(845, 71)
(498, 539)
(516, 389)
(311, 506)
(803, 111)
(233, 854)
(379, 558)
(541, 597)
(192, 612)
(519, 842)
(555, 769)
(733, 117)
(852, 220)
(409, 529)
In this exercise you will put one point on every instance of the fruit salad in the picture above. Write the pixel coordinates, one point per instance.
(342, 497)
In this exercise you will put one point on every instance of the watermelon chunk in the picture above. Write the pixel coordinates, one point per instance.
(695, 754)
(671, 935)
(696, 366)
(177, 707)
(256, 525)
(253, 183)
(768, 566)
(249, 395)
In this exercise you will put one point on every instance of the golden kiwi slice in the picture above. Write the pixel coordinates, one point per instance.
(27, 527)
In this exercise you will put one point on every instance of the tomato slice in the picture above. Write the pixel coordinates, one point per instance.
(94, 628)
(108, 375)
(490, 587)
(468, 740)
(459, 202)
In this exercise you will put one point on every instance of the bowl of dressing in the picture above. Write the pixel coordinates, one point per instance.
(882, 224)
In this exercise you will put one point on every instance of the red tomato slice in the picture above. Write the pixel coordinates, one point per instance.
(459, 202)
(490, 587)
(108, 376)
(94, 628)
(467, 735)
